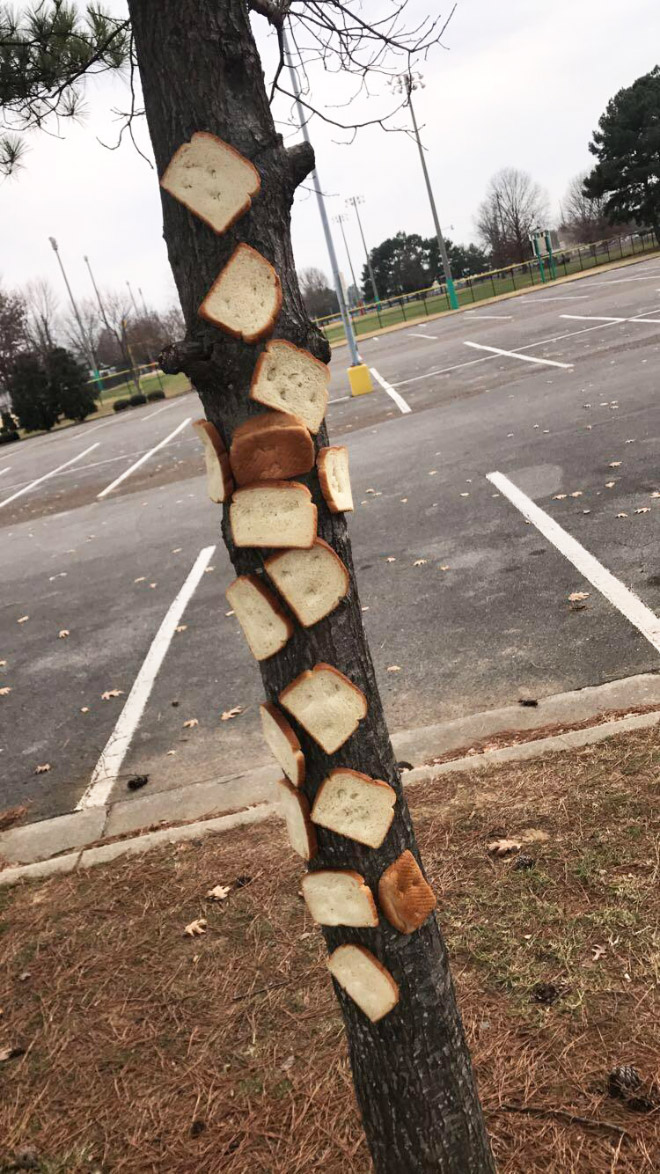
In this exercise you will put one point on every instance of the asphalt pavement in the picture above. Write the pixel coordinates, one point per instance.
(466, 591)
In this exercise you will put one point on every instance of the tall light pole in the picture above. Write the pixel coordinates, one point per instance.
(406, 83)
(124, 350)
(355, 200)
(137, 312)
(356, 361)
(340, 219)
(83, 336)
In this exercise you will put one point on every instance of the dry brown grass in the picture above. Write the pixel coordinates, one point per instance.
(150, 1052)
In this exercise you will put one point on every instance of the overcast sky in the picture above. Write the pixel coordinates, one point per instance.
(521, 83)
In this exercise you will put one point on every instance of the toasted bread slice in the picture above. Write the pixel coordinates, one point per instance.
(332, 464)
(273, 513)
(356, 806)
(219, 481)
(313, 582)
(295, 808)
(291, 380)
(282, 743)
(246, 298)
(339, 896)
(271, 447)
(212, 179)
(265, 626)
(326, 704)
(405, 896)
(365, 980)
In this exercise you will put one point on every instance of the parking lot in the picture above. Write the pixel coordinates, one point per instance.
(464, 575)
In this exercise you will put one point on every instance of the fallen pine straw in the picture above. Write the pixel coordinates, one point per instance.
(147, 1051)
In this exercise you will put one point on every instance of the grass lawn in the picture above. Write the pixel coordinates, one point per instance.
(155, 381)
(142, 1050)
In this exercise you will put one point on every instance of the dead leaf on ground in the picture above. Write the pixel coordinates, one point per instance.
(63, 633)
(394, 668)
(152, 585)
(504, 847)
(23, 620)
(576, 493)
(610, 484)
(643, 509)
(656, 493)
(3, 664)
(111, 693)
(181, 628)
(420, 562)
(560, 496)
(177, 550)
(42, 769)
(370, 491)
(598, 953)
(140, 579)
(366, 608)
(5, 690)
(218, 893)
(403, 500)
(390, 559)
(13, 815)
(195, 928)
(621, 515)
(614, 464)
(207, 570)
(10, 1053)
(432, 472)
(85, 709)
(229, 613)
(464, 495)
(192, 721)
(445, 567)
(288, 1064)
(231, 713)
(576, 596)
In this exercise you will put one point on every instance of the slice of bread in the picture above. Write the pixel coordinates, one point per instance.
(282, 743)
(332, 464)
(212, 179)
(273, 513)
(365, 979)
(405, 896)
(326, 704)
(271, 447)
(336, 896)
(291, 380)
(295, 808)
(311, 581)
(219, 481)
(265, 626)
(246, 298)
(356, 806)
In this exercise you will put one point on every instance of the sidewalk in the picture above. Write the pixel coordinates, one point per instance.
(125, 1045)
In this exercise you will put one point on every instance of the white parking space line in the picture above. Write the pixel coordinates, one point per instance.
(341, 399)
(143, 459)
(479, 346)
(603, 580)
(39, 480)
(432, 337)
(165, 408)
(495, 317)
(619, 280)
(398, 399)
(5, 470)
(109, 764)
(562, 298)
(607, 318)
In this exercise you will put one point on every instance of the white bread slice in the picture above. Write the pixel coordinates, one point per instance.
(355, 805)
(282, 743)
(212, 179)
(271, 447)
(365, 979)
(337, 896)
(265, 626)
(332, 465)
(405, 896)
(291, 380)
(246, 297)
(326, 704)
(219, 481)
(295, 808)
(311, 581)
(273, 513)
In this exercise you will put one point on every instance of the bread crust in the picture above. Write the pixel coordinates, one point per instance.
(405, 897)
(287, 731)
(274, 445)
(324, 478)
(365, 780)
(356, 876)
(247, 203)
(267, 485)
(273, 604)
(272, 561)
(206, 428)
(308, 674)
(394, 986)
(271, 349)
(265, 330)
(308, 827)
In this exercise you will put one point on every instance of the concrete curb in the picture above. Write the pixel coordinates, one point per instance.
(136, 845)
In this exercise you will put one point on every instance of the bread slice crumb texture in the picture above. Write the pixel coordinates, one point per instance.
(337, 896)
(365, 980)
(356, 806)
(282, 743)
(292, 380)
(264, 624)
(326, 704)
(246, 297)
(212, 179)
(313, 582)
(273, 513)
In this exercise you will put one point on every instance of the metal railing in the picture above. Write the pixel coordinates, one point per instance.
(418, 304)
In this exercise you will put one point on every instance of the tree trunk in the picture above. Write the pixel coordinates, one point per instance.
(200, 70)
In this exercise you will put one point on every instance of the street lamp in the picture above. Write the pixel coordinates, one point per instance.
(341, 219)
(405, 83)
(355, 200)
(111, 329)
(84, 339)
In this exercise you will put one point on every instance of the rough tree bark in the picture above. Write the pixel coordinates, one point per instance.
(200, 70)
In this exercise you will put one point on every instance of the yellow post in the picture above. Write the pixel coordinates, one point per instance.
(359, 377)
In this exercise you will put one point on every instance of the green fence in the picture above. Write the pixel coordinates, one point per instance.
(415, 306)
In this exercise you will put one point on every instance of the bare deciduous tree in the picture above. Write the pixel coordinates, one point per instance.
(514, 205)
(42, 305)
(317, 294)
(584, 218)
